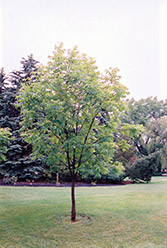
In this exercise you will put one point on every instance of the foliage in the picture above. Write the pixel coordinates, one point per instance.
(4, 143)
(142, 169)
(9, 180)
(127, 134)
(142, 112)
(139, 112)
(116, 173)
(152, 142)
(156, 133)
(62, 113)
(19, 162)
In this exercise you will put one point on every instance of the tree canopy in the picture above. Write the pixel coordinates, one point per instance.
(140, 111)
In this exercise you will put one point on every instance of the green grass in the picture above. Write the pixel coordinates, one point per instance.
(121, 216)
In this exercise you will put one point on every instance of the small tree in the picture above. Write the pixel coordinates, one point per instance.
(62, 114)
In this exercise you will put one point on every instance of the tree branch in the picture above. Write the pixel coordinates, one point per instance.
(59, 139)
(67, 151)
(89, 157)
(86, 137)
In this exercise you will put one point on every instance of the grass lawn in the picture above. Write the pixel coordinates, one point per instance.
(121, 216)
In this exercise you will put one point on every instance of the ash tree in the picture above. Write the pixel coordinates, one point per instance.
(62, 114)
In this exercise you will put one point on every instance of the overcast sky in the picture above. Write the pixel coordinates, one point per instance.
(128, 34)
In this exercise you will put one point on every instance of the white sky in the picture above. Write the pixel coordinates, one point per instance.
(128, 34)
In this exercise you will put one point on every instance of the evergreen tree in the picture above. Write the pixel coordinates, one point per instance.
(19, 162)
(2, 80)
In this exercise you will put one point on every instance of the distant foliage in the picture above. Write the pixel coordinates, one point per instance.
(152, 114)
(141, 111)
(77, 122)
(10, 179)
(142, 169)
(18, 156)
(4, 143)
(116, 174)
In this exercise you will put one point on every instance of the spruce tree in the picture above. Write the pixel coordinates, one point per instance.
(19, 163)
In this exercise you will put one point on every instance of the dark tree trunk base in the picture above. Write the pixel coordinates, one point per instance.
(79, 219)
(73, 211)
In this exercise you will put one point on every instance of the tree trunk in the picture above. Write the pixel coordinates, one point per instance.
(57, 179)
(73, 211)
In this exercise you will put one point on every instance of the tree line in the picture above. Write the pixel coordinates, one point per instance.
(67, 117)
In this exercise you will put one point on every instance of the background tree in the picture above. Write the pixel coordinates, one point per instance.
(62, 114)
(150, 145)
(19, 162)
(156, 133)
(125, 138)
(142, 169)
(140, 111)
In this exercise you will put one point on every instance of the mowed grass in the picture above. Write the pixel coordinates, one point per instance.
(121, 216)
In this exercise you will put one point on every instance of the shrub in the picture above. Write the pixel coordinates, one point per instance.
(116, 174)
(142, 169)
(9, 180)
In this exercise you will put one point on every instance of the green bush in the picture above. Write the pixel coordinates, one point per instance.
(9, 180)
(116, 174)
(142, 169)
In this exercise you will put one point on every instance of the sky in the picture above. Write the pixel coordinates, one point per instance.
(128, 34)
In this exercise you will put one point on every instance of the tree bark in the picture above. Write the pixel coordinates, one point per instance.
(57, 179)
(73, 211)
